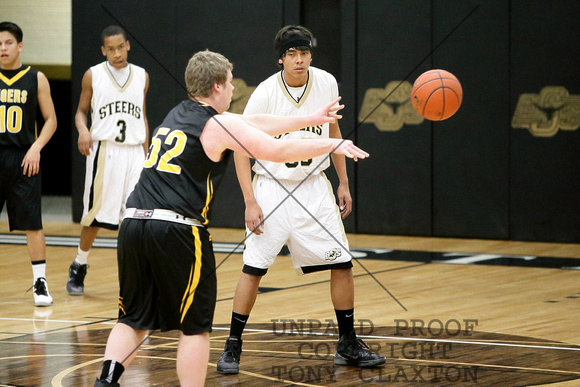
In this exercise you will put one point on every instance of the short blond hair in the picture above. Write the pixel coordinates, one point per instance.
(204, 69)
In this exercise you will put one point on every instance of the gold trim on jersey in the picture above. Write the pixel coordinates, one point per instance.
(127, 82)
(209, 190)
(289, 97)
(194, 276)
(97, 185)
(11, 81)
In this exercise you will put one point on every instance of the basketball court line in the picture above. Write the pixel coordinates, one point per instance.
(170, 342)
(483, 343)
(357, 253)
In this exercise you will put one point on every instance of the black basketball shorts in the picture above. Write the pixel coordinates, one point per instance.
(22, 194)
(167, 276)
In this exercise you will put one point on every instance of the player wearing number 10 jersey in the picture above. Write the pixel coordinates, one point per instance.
(114, 91)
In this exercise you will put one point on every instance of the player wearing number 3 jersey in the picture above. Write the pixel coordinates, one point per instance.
(114, 93)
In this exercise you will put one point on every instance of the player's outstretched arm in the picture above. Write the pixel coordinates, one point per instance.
(274, 125)
(231, 132)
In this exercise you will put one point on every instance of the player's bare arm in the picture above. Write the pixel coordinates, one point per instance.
(339, 162)
(228, 131)
(81, 119)
(254, 216)
(274, 125)
(31, 161)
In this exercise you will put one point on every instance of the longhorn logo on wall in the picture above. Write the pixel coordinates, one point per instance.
(241, 95)
(389, 108)
(545, 113)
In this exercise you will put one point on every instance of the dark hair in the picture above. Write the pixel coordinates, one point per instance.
(288, 33)
(112, 31)
(13, 29)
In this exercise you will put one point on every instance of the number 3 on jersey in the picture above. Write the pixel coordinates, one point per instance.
(161, 159)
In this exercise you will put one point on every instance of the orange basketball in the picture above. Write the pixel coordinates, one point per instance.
(436, 95)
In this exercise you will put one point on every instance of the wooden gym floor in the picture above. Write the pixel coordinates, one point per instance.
(476, 312)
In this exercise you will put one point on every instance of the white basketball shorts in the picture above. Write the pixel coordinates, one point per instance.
(307, 220)
(111, 174)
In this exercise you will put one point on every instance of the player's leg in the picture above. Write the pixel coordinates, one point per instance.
(259, 254)
(192, 359)
(342, 289)
(315, 247)
(246, 293)
(137, 303)
(77, 271)
(24, 213)
(244, 299)
(122, 347)
(36, 244)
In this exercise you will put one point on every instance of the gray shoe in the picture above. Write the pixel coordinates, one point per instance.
(76, 279)
(354, 352)
(102, 383)
(229, 362)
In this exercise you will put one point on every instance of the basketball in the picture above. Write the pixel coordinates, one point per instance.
(436, 95)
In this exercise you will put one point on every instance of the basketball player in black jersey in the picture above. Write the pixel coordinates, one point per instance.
(166, 261)
(22, 91)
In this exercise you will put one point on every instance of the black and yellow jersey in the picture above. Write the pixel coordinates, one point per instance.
(177, 174)
(18, 107)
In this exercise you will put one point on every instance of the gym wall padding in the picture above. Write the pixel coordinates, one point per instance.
(394, 184)
(483, 173)
(544, 170)
(471, 149)
(163, 37)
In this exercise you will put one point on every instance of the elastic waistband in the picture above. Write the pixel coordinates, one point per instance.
(158, 214)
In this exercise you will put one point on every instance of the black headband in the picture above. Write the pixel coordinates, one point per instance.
(296, 41)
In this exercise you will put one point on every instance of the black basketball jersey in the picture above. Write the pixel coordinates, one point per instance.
(18, 107)
(177, 174)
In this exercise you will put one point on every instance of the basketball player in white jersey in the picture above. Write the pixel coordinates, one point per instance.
(114, 93)
(309, 222)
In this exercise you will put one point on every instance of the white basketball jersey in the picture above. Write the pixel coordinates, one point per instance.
(273, 96)
(118, 109)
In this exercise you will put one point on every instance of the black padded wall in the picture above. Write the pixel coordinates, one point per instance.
(504, 167)
(470, 160)
(163, 37)
(545, 105)
(394, 184)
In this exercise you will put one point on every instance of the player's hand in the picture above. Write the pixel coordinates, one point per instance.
(344, 200)
(348, 149)
(31, 162)
(85, 142)
(254, 218)
(327, 114)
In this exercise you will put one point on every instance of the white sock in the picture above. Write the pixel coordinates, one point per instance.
(39, 270)
(82, 256)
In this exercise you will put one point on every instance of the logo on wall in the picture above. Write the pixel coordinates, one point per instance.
(389, 108)
(241, 95)
(545, 113)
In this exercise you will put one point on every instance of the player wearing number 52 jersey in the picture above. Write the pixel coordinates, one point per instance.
(113, 92)
(167, 267)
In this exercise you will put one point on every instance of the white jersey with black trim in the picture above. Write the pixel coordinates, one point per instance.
(117, 110)
(273, 96)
